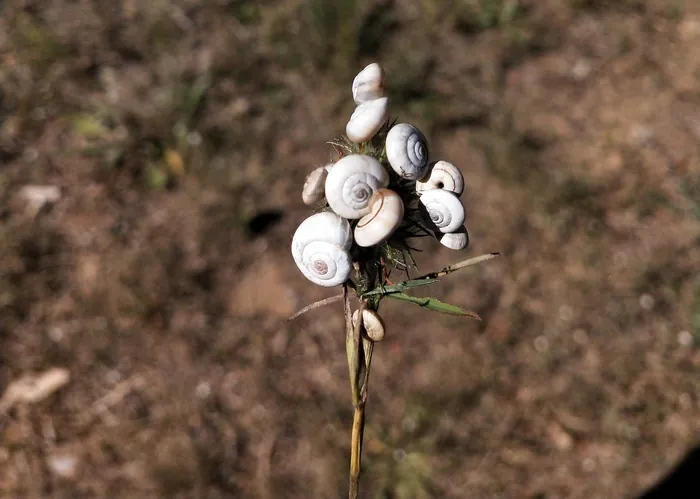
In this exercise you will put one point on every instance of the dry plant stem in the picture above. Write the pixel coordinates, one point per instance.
(359, 351)
(318, 304)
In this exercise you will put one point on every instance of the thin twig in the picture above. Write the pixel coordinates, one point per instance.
(318, 304)
(459, 265)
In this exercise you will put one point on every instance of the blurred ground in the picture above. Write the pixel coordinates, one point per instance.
(160, 277)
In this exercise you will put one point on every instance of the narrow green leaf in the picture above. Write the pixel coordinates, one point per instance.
(398, 287)
(435, 305)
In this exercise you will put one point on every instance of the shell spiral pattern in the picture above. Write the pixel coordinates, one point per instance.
(324, 263)
(407, 151)
(320, 248)
(443, 209)
(351, 184)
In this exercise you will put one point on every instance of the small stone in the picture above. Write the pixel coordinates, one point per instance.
(203, 390)
(63, 465)
(581, 70)
(560, 437)
(646, 301)
(37, 196)
(685, 338)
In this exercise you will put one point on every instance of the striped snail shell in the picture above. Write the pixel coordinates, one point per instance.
(407, 151)
(351, 183)
(385, 216)
(443, 209)
(442, 175)
(320, 248)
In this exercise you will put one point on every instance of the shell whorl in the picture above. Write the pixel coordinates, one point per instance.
(320, 248)
(351, 183)
(442, 175)
(443, 209)
(324, 263)
(407, 151)
(385, 216)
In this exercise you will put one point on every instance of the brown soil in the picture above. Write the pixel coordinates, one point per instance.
(180, 133)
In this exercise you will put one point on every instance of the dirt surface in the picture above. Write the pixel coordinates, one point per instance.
(159, 275)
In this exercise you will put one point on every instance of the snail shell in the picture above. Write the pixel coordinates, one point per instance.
(325, 226)
(385, 216)
(351, 183)
(320, 249)
(368, 84)
(443, 209)
(314, 187)
(372, 322)
(443, 175)
(457, 240)
(407, 151)
(367, 119)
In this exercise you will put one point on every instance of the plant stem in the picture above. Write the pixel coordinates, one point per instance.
(359, 352)
(358, 427)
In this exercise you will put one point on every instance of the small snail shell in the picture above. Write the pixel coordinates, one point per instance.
(373, 323)
(444, 209)
(351, 183)
(368, 84)
(385, 216)
(407, 151)
(443, 175)
(367, 119)
(320, 249)
(457, 240)
(314, 186)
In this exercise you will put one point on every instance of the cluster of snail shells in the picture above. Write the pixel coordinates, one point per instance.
(439, 192)
(356, 188)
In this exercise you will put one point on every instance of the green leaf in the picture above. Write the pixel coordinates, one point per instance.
(435, 305)
(397, 288)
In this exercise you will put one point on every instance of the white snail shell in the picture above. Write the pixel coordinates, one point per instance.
(320, 249)
(367, 119)
(351, 183)
(373, 323)
(315, 186)
(385, 216)
(443, 175)
(444, 210)
(368, 84)
(407, 151)
(457, 240)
